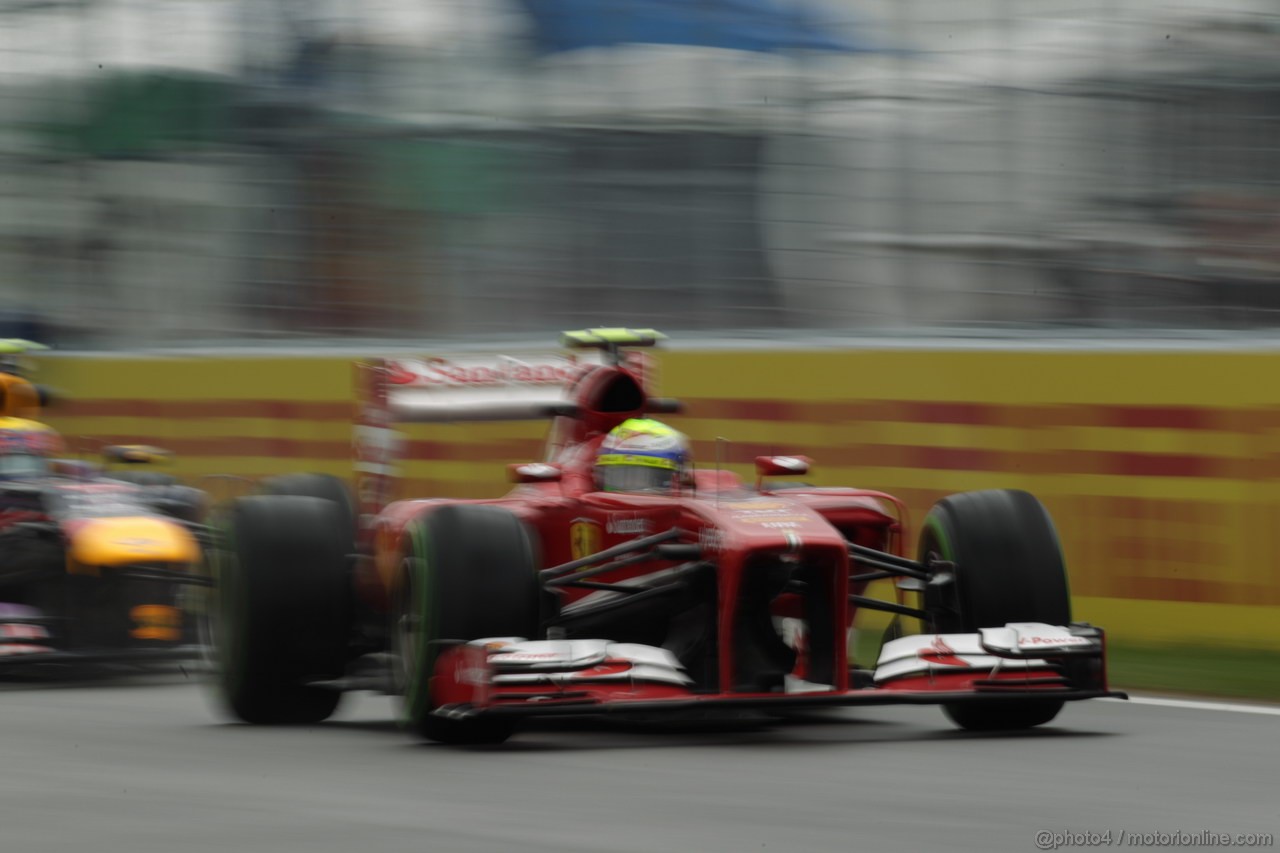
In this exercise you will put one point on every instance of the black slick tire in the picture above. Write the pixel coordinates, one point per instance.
(324, 486)
(468, 572)
(1009, 568)
(282, 603)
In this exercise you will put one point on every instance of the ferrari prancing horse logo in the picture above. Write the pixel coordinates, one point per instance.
(584, 538)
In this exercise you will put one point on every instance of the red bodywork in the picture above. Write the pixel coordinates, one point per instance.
(732, 524)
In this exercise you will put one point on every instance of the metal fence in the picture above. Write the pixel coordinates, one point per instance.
(177, 172)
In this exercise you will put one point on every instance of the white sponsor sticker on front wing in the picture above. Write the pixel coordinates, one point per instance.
(1029, 637)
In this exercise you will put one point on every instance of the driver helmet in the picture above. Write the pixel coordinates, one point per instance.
(642, 455)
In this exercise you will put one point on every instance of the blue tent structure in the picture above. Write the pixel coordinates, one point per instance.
(764, 26)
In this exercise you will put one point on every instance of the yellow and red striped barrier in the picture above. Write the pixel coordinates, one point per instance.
(1162, 469)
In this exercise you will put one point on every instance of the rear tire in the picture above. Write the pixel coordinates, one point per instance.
(282, 609)
(468, 572)
(324, 486)
(1009, 568)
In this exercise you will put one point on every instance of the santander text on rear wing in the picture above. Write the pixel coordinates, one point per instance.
(475, 387)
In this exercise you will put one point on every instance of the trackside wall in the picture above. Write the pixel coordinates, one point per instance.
(1162, 469)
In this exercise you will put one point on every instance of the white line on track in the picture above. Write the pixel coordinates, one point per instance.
(1265, 710)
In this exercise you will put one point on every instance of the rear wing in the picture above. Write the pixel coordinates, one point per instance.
(478, 388)
(470, 388)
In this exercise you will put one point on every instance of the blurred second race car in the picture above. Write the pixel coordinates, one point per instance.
(94, 563)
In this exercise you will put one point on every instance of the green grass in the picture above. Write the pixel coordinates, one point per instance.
(1195, 671)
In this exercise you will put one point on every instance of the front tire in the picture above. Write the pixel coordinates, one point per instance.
(1009, 568)
(282, 609)
(468, 571)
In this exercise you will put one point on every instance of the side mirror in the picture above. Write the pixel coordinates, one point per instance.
(135, 454)
(533, 472)
(780, 466)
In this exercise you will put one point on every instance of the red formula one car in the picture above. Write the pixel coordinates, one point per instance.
(579, 594)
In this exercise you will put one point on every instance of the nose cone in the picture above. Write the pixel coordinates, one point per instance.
(121, 541)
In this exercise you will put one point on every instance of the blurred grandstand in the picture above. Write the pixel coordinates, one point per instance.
(179, 172)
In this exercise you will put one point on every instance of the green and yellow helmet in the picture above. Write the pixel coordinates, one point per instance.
(12, 358)
(641, 455)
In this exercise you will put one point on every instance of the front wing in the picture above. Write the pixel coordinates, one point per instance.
(511, 677)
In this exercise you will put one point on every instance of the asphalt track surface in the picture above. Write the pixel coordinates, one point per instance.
(147, 765)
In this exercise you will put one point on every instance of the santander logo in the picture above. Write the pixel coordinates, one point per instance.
(940, 652)
(445, 373)
(397, 374)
